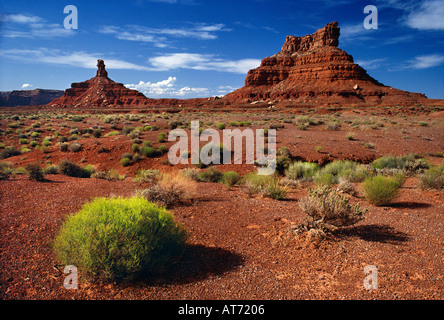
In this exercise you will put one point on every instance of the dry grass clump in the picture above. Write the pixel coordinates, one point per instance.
(328, 211)
(170, 189)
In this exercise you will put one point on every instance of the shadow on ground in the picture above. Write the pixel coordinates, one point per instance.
(377, 233)
(197, 263)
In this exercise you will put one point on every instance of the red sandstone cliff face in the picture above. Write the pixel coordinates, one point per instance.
(312, 69)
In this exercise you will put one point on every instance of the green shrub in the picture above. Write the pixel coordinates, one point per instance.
(162, 149)
(301, 170)
(221, 126)
(51, 169)
(349, 170)
(408, 163)
(318, 148)
(120, 238)
(111, 175)
(9, 152)
(64, 147)
(328, 210)
(127, 130)
(148, 175)
(274, 190)
(149, 152)
(135, 147)
(161, 137)
(230, 178)
(125, 162)
(191, 173)
(174, 124)
(69, 168)
(283, 160)
(210, 175)
(97, 133)
(23, 141)
(432, 179)
(380, 190)
(324, 179)
(75, 147)
(6, 170)
(336, 168)
(35, 172)
(112, 133)
(265, 185)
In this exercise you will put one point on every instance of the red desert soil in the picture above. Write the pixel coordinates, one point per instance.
(239, 247)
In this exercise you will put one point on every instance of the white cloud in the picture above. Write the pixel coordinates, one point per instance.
(29, 26)
(429, 16)
(370, 64)
(26, 86)
(160, 63)
(426, 61)
(353, 32)
(158, 36)
(419, 62)
(197, 61)
(166, 88)
(421, 15)
(77, 59)
(19, 18)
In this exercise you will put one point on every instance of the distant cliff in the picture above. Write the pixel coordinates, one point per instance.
(34, 97)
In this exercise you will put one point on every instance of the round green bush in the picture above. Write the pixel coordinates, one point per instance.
(120, 238)
(380, 190)
(230, 178)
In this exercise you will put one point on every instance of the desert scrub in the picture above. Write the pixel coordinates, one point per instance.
(150, 152)
(210, 175)
(35, 172)
(301, 170)
(191, 173)
(125, 162)
(9, 152)
(71, 169)
(170, 189)
(264, 185)
(120, 238)
(230, 178)
(6, 170)
(410, 163)
(331, 173)
(75, 147)
(327, 211)
(380, 190)
(147, 176)
(432, 179)
(111, 175)
(51, 169)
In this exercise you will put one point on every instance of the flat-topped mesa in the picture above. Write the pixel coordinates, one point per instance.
(327, 36)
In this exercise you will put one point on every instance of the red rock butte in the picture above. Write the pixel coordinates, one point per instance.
(309, 70)
(99, 91)
(313, 70)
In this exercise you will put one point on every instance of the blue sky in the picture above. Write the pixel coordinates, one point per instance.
(201, 48)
